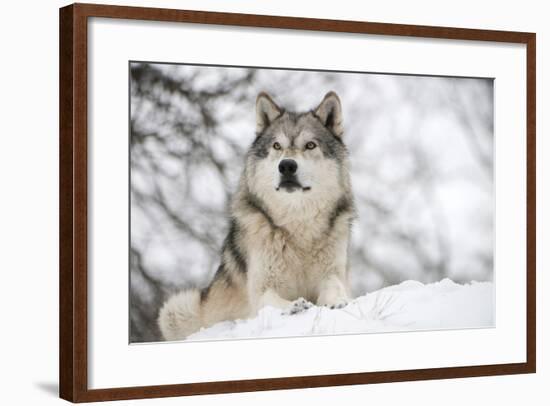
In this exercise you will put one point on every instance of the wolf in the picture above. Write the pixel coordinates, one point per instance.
(290, 224)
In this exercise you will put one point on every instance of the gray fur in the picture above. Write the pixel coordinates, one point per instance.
(291, 124)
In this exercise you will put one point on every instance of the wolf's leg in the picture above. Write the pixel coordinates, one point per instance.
(332, 285)
(333, 292)
(261, 280)
(267, 280)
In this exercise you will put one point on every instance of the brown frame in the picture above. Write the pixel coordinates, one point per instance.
(73, 362)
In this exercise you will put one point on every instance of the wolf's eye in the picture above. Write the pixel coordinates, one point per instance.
(277, 146)
(310, 145)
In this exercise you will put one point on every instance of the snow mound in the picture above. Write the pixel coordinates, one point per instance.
(408, 306)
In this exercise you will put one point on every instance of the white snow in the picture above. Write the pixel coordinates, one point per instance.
(408, 306)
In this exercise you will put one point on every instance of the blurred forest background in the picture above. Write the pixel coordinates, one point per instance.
(421, 165)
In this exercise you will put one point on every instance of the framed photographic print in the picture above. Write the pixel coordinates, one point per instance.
(255, 202)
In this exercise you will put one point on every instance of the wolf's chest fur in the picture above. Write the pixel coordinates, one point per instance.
(293, 255)
(297, 263)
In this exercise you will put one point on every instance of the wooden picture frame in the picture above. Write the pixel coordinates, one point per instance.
(73, 198)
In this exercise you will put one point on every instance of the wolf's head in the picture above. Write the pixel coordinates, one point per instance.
(298, 158)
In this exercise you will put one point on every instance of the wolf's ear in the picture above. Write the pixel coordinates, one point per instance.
(266, 112)
(330, 113)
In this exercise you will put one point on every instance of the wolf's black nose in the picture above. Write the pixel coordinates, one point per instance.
(288, 167)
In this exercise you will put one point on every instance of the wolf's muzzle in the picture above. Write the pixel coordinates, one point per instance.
(288, 167)
(288, 181)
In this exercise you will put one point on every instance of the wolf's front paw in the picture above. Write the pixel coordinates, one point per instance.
(335, 304)
(298, 306)
(340, 305)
